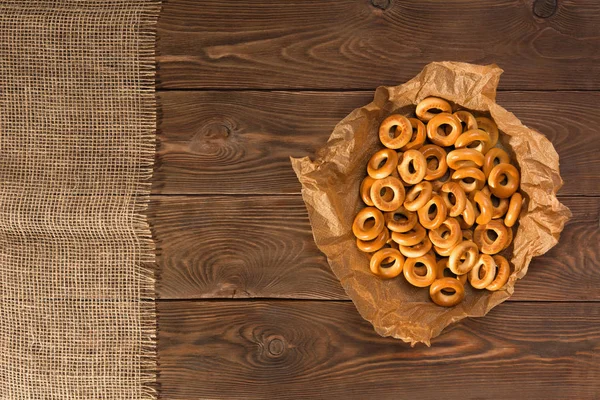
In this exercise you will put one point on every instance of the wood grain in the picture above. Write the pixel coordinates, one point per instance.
(240, 142)
(316, 349)
(262, 246)
(363, 44)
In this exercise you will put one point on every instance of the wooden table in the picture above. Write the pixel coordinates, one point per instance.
(248, 306)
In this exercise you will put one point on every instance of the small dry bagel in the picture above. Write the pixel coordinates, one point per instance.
(439, 286)
(446, 235)
(432, 220)
(489, 127)
(437, 166)
(386, 184)
(382, 257)
(382, 163)
(468, 216)
(461, 158)
(411, 237)
(460, 198)
(418, 137)
(370, 246)
(365, 190)
(438, 127)
(395, 131)
(466, 119)
(368, 223)
(475, 175)
(474, 139)
(514, 209)
(485, 243)
(487, 265)
(412, 160)
(483, 207)
(400, 220)
(425, 106)
(442, 267)
(500, 173)
(418, 196)
(500, 206)
(416, 250)
(502, 274)
(410, 272)
(469, 251)
(493, 157)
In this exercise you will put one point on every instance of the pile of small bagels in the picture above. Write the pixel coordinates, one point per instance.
(441, 202)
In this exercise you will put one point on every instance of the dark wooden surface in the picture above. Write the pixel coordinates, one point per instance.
(248, 307)
(318, 349)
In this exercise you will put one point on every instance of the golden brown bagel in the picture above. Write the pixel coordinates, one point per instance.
(438, 127)
(385, 255)
(437, 166)
(439, 286)
(395, 131)
(498, 174)
(382, 164)
(400, 220)
(413, 278)
(425, 106)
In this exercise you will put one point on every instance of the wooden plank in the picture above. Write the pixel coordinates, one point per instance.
(240, 142)
(364, 44)
(316, 349)
(262, 246)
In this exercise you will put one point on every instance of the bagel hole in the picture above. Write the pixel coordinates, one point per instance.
(445, 234)
(432, 210)
(387, 262)
(382, 162)
(504, 180)
(468, 180)
(369, 223)
(448, 291)
(392, 131)
(473, 144)
(481, 273)
(386, 193)
(452, 198)
(414, 135)
(491, 234)
(420, 270)
(398, 217)
(448, 129)
(433, 163)
(435, 110)
(411, 167)
(495, 161)
(495, 201)
(443, 130)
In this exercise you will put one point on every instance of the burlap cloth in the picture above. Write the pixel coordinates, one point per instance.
(77, 141)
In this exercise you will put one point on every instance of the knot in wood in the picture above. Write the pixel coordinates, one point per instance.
(544, 8)
(216, 130)
(381, 4)
(276, 346)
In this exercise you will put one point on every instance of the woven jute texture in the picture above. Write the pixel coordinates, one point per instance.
(77, 141)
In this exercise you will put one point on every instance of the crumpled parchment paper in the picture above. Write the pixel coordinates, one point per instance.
(330, 189)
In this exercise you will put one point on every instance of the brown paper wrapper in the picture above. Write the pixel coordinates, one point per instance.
(330, 189)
